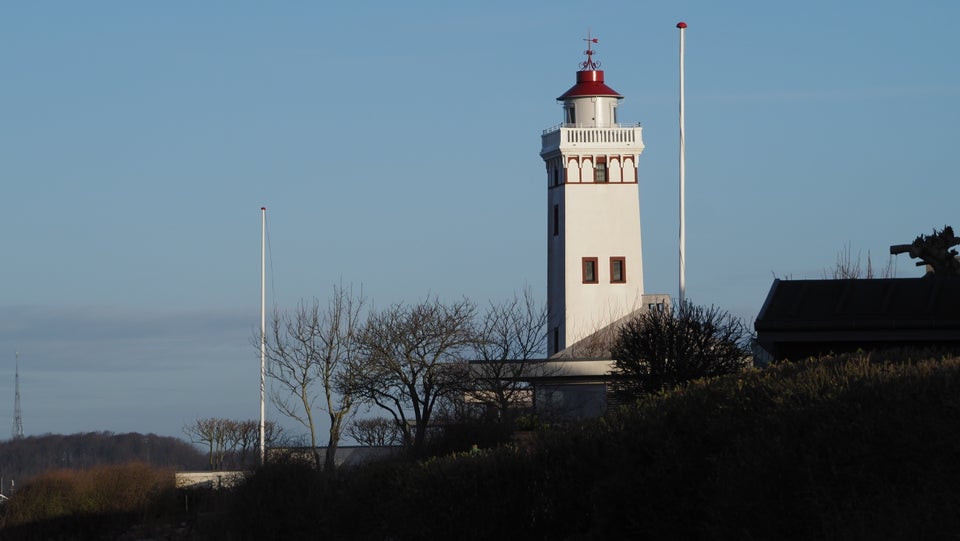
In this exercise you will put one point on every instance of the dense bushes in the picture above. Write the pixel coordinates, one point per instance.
(490, 493)
(838, 448)
(831, 449)
(67, 503)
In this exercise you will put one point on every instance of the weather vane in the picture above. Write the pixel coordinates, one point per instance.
(589, 64)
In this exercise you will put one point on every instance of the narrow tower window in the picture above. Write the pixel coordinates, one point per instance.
(556, 220)
(600, 170)
(589, 270)
(571, 115)
(618, 270)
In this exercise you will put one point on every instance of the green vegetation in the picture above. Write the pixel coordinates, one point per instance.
(88, 504)
(838, 448)
(853, 447)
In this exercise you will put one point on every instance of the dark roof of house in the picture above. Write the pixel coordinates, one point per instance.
(806, 317)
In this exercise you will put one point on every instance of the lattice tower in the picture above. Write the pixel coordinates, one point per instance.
(17, 417)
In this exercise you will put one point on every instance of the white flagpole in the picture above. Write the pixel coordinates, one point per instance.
(683, 217)
(263, 330)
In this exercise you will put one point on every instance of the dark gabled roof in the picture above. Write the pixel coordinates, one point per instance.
(806, 317)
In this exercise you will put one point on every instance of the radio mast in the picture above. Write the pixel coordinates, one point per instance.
(17, 417)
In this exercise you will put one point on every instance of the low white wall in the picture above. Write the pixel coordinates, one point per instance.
(209, 479)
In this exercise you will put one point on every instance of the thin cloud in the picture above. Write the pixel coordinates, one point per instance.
(101, 368)
(839, 94)
(110, 339)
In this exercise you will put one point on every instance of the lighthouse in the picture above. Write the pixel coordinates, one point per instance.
(594, 257)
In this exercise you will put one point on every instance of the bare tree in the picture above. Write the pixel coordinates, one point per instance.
(660, 349)
(228, 442)
(848, 268)
(510, 346)
(212, 433)
(243, 438)
(412, 356)
(307, 351)
(374, 431)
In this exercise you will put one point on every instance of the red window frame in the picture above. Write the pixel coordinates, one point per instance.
(589, 266)
(623, 270)
(600, 173)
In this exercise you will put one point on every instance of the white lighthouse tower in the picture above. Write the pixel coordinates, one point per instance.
(594, 258)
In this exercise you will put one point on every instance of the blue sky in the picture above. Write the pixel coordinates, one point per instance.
(139, 140)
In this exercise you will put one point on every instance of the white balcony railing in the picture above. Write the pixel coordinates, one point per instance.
(568, 134)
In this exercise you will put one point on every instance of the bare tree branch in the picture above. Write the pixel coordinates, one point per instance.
(660, 349)
(376, 431)
(509, 347)
(315, 345)
(412, 357)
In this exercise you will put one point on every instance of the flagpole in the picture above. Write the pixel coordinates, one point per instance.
(263, 330)
(683, 216)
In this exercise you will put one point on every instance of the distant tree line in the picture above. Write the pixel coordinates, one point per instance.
(24, 458)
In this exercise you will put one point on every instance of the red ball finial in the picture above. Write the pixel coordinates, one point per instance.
(681, 24)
